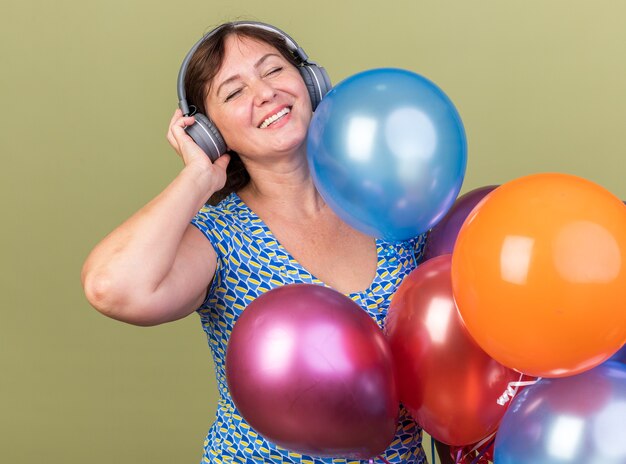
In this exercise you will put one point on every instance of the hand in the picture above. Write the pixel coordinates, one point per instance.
(192, 155)
(181, 142)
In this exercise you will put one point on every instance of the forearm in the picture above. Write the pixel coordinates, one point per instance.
(132, 261)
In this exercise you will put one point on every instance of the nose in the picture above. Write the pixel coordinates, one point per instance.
(263, 92)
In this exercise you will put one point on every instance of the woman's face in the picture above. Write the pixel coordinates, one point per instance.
(258, 100)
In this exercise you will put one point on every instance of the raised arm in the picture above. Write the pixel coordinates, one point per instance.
(156, 267)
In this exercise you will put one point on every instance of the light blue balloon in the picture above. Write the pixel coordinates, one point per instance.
(387, 151)
(571, 420)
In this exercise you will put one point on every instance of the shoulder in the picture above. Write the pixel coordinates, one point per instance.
(218, 217)
(221, 223)
(220, 212)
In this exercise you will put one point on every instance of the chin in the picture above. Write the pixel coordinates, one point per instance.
(291, 144)
(295, 145)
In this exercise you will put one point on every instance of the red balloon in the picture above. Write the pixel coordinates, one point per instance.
(446, 381)
(309, 370)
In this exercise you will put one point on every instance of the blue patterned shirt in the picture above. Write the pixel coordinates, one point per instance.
(250, 261)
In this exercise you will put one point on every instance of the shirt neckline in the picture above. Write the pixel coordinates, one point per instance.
(380, 245)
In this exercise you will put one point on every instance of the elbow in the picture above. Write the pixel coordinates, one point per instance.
(104, 294)
(99, 291)
(111, 298)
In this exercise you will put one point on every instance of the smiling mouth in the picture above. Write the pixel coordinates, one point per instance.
(275, 117)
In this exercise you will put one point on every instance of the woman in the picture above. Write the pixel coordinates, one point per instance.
(270, 228)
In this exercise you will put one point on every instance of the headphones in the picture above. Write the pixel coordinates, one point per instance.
(204, 132)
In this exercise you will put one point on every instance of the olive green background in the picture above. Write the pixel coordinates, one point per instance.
(88, 88)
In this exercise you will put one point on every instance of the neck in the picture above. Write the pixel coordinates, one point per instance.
(284, 184)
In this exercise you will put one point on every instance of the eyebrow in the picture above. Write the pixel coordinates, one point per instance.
(237, 76)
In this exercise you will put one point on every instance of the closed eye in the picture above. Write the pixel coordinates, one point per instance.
(274, 71)
(232, 95)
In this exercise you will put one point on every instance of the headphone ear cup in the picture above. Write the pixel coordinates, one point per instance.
(206, 135)
(317, 82)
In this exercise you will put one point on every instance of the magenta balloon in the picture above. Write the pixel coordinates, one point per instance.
(309, 370)
(442, 237)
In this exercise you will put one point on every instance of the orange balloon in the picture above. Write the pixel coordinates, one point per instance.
(539, 274)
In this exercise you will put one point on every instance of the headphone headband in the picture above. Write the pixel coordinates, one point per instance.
(291, 44)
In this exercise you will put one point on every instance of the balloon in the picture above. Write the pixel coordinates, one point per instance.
(473, 454)
(620, 356)
(446, 382)
(538, 428)
(387, 152)
(539, 274)
(442, 237)
(310, 371)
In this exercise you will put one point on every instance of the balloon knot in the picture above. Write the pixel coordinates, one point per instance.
(511, 390)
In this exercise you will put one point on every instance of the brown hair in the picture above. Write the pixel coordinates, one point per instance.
(204, 66)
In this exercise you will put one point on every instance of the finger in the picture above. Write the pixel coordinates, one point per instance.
(222, 161)
(177, 114)
(179, 119)
(171, 140)
(178, 129)
(182, 121)
(184, 142)
(169, 135)
(178, 135)
(177, 125)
